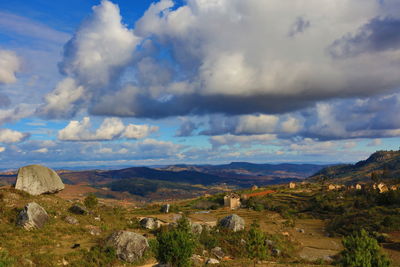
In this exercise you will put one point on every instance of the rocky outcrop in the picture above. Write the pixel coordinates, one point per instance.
(196, 228)
(37, 180)
(232, 222)
(71, 220)
(129, 246)
(32, 216)
(150, 223)
(78, 209)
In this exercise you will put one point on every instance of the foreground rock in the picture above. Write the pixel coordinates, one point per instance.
(32, 216)
(37, 180)
(78, 209)
(150, 223)
(196, 228)
(129, 246)
(232, 222)
(71, 220)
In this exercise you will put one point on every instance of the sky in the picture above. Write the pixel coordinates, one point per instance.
(131, 83)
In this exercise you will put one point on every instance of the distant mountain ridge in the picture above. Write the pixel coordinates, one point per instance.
(385, 164)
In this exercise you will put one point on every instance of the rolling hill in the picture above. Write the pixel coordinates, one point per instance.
(384, 165)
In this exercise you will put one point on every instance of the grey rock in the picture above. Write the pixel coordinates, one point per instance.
(276, 252)
(149, 223)
(32, 216)
(165, 208)
(37, 180)
(269, 242)
(232, 222)
(79, 209)
(129, 246)
(196, 228)
(217, 252)
(197, 259)
(71, 220)
(212, 261)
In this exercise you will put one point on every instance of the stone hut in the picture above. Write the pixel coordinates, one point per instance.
(382, 188)
(254, 187)
(292, 185)
(331, 187)
(232, 201)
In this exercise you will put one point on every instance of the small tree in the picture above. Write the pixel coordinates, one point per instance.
(361, 250)
(91, 201)
(176, 246)
(256, 246)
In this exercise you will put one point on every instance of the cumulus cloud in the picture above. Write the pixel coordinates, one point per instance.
(133, 131)
(176, 62)
(110, 129)
(2, 149)
(93, 58)
(232, 140)
(18, 112)
(63, 101)
(379, 34)
(9, 65)
(11, 136)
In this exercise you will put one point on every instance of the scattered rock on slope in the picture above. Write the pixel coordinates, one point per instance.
(150, 223)
(32, 216)
(78, 209)
(232, 222)
(37, 180)
(129, 246)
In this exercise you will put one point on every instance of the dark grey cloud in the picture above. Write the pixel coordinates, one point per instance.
(4, 101)
(379, 34)
(187, 128)
(299, 26)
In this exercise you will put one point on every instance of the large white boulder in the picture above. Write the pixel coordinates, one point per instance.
(32, 216)
(129, 246)
(232, 222)
(37, 180)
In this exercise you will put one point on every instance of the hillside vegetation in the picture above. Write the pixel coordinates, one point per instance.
(384, 164)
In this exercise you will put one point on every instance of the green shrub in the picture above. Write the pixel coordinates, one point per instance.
(256, 245)
(208, 238)
(176, 246)
(361, 250)
(97, 256)
(91, 201)
(6, 260)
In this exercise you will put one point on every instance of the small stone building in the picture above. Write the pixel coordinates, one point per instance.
(232, 201)
(292, 185)
(254, 187)
(331, 187)
(382, 188)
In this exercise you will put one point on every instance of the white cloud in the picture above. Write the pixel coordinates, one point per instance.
(63, 100)
(94, 57)
(258, 124)
(206, 64)
(23, 26)
(232, 140)
(41, 150)
(2, 149)
(9, 65)
(375, 142)
(291, 125)
(110, 129)
(139, 131)
(11, 136)
(18, 112)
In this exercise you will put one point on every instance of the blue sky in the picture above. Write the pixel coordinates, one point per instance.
(119, 83)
